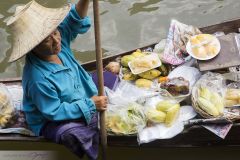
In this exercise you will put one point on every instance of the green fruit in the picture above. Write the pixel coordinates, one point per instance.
(163, 70)
(138, 54)
(126, 59)
(151, 74)
(125, 70)
(129, 76)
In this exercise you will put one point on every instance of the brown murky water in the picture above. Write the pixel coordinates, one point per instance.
(125, 24)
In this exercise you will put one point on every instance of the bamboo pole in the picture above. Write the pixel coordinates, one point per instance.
(103, 133)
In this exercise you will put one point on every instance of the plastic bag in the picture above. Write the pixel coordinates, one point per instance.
(157, 110)
(190, 75)
(232, 95)
(6, 106)
(207, 95)
(126, 93)
(126, 120)
(175, 49)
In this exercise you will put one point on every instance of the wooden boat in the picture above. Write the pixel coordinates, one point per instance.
(191, 137)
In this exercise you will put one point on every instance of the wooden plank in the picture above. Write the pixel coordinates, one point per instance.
(228, 56)
(195, 136)
(226, 27)
(18, 137)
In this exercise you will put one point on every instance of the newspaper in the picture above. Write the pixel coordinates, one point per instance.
(175, 48)
(220, 130)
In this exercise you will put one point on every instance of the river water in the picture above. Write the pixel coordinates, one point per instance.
(125, 24)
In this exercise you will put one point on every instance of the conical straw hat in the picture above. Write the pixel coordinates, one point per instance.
(31, 24)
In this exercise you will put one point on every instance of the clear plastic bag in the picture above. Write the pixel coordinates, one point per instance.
(232, 95)
(6, 106)
(208, 95)
(125, 120)
(126, 93)
(189, 74)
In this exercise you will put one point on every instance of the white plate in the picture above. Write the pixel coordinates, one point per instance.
(214, 41)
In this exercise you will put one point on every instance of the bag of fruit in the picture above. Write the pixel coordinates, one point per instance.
(208, 95)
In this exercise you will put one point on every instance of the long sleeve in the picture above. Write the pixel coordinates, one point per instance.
(45, 97)
(73, 25)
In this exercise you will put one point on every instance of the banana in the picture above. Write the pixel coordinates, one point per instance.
(205, 93)
(217, 100)
(207, 106)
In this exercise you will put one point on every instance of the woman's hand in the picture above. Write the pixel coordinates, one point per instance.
(100, 102)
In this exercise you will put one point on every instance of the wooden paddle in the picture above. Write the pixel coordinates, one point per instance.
(103, 133)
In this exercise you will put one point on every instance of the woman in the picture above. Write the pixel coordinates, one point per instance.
(60, 99)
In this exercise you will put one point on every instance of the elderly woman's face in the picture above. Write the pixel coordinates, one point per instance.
(50, 45)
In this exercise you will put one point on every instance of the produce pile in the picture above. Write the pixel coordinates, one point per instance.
(175, 80)
(140, 61)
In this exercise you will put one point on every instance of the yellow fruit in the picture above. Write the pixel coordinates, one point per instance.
(151, 74)
(172, 115)
(4, 100)
(162, 79)
(138, 50)
(211, 50)
(232, 94)
(156, 116)
(205, 93)
(138, 54)
(217, 100)
(126, 59)
(199, 52)
(230, 103)
(204, 37)
(143, 83)
(142, 63)
(195, 41)
(207, 106)
(164, 105)
(129, 76)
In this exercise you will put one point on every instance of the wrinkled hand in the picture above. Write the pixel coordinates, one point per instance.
(100, 102)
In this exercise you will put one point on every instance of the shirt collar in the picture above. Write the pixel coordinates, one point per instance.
(44, 65)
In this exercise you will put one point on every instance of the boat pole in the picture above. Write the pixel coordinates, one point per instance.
(103, 133)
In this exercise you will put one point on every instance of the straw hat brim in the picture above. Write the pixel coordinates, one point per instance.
(31, 25)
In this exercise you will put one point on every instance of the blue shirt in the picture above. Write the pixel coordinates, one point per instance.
(54, 92)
